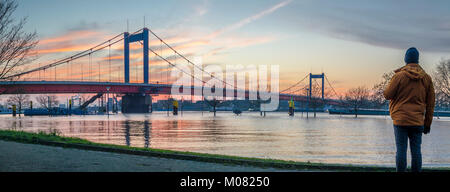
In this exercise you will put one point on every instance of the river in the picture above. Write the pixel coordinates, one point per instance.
(366, 140)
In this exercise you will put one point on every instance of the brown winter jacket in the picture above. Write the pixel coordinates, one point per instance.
(411, 95)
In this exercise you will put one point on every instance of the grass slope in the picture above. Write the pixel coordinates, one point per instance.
(54, 139)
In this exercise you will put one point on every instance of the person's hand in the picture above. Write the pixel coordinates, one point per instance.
(426, 129)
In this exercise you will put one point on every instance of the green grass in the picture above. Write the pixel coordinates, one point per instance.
(54, 138)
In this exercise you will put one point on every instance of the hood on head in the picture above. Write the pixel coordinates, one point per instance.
(413, 71)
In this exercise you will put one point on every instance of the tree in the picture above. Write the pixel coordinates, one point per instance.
(213, 103)
(43, 101)
(19, 99)
(15, 45)
(316, 100)
(357, 98)
(377, 97)
(442, 83)
(84, 98)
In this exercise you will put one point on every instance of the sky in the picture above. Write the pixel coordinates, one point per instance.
(352, 42)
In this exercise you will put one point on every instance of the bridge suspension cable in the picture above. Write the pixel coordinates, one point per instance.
(190, 62)
(337, 95)
(114, 40)
(68, 59)
(294, 91)
(296, 84)
(174, 65)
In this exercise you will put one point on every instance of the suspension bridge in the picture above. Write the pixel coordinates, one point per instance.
(106, 68)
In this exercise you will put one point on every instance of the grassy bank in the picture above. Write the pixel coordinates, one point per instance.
(54, 139)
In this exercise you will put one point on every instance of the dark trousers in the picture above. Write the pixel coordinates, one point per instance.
(414, 134)
(291, 111)
(175, 110)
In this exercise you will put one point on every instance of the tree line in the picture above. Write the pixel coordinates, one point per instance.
(363, 97)
(23, 101)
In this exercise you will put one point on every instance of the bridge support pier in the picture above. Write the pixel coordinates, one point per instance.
(137, 103)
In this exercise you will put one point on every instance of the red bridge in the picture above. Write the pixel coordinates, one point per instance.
(85, 72)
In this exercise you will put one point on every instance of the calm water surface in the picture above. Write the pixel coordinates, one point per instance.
(366, 140)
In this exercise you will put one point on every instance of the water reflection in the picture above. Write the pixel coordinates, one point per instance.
(327, 139)
(146, 134)
(127, 132)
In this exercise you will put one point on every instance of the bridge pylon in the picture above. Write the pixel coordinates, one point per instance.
(316, 76)
(143, 36)
(309, 93)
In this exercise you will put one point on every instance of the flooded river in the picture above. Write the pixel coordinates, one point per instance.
(367, 140)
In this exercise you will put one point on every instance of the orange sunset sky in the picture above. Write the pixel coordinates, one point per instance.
(353, 42)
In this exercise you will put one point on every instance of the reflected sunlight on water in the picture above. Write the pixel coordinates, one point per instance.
(325, 139)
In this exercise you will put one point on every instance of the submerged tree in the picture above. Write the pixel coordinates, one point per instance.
(15, 45)
(442, 84)
(214, 103)
(357, 98)
(47, 101)
(19, 99)
(315, 99)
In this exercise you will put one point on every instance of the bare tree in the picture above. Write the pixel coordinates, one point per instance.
(316, 100)
(15, 45)
(377, 97)
(442, 83)
(357, 98)
(84, 98)
(214, 103)
(44, 102)
(19, 99)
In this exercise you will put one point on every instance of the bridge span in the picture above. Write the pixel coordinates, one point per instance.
(87, 71)
(64, 87)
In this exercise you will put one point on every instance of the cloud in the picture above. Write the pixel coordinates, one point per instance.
(220, 45)
(237, 42)
(384, 23)
(63, 48)
(201, 9)
(67, 37)
(71, 41)
(209, 41)
(197, 11)
(248, 20)
(85, 35)
(83, 25)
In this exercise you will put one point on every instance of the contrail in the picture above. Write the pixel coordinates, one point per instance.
(249, 19)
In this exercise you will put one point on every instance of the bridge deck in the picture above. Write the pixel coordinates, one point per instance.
(66, 87)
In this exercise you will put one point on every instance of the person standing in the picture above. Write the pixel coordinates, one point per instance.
(291, 107)
(411, 95)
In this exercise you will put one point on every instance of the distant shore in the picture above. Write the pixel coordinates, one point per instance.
(53, 139)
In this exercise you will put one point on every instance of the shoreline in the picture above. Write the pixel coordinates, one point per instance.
(53, 139)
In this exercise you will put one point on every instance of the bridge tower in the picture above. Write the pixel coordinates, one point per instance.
(143, 36)
(315, 76)
(136, 103)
